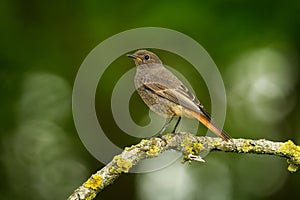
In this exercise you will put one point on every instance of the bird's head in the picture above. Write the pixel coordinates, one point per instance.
(144, 57)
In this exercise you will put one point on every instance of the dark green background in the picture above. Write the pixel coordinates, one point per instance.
(43, 44)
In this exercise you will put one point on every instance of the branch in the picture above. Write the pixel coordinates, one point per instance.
(190, 146)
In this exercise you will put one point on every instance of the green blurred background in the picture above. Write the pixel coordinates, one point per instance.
(255, 45)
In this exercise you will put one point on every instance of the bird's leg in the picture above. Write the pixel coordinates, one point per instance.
(175, 127)
(165, 126)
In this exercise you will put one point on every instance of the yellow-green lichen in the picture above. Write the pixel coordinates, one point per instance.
(197, 146)
(129, 148)
(153, 151)
(144, 141)
(91, 196)
(94, 182)
(186, 144)
(216, 142)
(169, 136)
(112, 169)
(191, 147)
(245, 147)
(123, 165)
(289, 149)
(292, 167)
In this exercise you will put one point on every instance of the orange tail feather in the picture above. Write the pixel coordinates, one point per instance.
(212, 126)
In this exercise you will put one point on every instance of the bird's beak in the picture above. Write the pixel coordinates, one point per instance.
(135, 57)
(131, 56)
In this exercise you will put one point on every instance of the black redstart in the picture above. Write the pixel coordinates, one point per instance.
(166, 95)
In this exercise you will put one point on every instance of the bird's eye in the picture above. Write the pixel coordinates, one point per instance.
(147, 57)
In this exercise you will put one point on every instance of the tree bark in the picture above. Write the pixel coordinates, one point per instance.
(190, 145)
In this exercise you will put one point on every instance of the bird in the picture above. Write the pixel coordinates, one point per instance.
(166, 95)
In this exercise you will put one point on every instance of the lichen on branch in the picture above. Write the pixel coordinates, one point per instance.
(190, 145)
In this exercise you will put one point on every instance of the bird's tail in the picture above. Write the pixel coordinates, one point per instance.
(212, 126)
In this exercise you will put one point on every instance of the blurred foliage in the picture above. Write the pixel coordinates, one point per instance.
(255, 44)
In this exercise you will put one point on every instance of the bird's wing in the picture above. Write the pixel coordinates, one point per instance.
(180, 95)
(168, 86)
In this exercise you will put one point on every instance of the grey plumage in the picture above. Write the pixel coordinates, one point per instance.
(165, 94)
